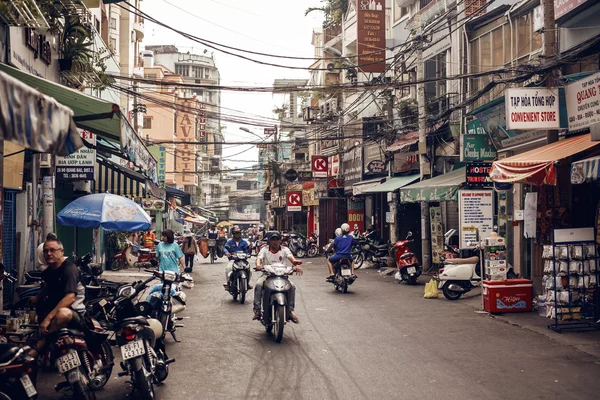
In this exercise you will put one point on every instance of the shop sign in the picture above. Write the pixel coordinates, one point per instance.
(476, 209)
(247, 215)
(185, 160)
(319, 166)
(476, 144)
(267, 195)
(79, 165)
(32, 52)
(152, 204)
(376, 167)
(305, 176)
(309, 198)
(291, 175)
(352, 168)
(202, 120)
(136, 152)
(370, 24)
(437, 234)
(563, 7)
(532, 108)
(160, 154)
(271, 131)
(583, 102)
(478, 175)
(356, 215)
(493, 119)
(334, 165)
(294, 201)
(405, 161)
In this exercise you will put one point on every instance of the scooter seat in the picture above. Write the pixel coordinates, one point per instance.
(139, 320)
(469, 260)
(8, 351)
(144, 251)
(380, 246)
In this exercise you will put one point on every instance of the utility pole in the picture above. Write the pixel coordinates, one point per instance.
(550, 52)
(391, 196)
(424, 167)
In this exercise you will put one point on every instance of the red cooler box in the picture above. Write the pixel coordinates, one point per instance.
(512, 295)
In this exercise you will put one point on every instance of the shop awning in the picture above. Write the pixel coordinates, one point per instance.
(118, 179)
(587, 170)
(441, 188)
(405, 142)
(35, 121)
(393, 184)
(359, 187)
(537, 167)
(185, 197)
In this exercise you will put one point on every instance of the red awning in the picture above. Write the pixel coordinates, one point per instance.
(536, 167)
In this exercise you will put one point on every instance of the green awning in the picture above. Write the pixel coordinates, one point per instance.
(441, 188)
(393, 184)
(93, 114)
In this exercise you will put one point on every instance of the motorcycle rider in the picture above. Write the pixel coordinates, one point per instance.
(272, 254)
(213, 232)
(342, 245)
(233, 245)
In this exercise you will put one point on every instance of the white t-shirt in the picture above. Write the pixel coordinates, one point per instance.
(269, 258)
(40, 261)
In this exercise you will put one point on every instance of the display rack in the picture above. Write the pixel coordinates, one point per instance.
(571, 279)
(494, 256)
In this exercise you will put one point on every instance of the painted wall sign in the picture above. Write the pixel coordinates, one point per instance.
(356, 215)
(370, 25)
(583, 102)
(532, 108)
(476, 210)
(81, 164)
(352, 168)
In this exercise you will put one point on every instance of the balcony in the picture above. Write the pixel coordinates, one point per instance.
(138, 28)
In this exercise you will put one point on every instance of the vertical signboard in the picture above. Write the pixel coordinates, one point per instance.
(370, 24)
(476, 209)
(476, 145)
(185, 160)
(80, 164)
(352, 168)
(159, 152)
(202, 120)
(437, 234)
(356, 215)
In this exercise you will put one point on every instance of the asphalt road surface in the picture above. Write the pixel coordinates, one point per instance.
(379, 341)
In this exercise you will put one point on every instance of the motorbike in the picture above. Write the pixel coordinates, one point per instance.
(374, 252)
(237, 281)
(127, 258)
(15, 367)
(313, 247)
(297, 244)
(409, 268)
(275, 304)
(459, 275)
(139, 338)
(343, 275)
(160, 299)
(212, 249)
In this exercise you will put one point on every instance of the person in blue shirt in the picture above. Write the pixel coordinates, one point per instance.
(169, 253)
(343, 249)
(233, 245)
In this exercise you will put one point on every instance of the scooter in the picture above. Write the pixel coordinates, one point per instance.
(343, 275)
(127, 259)
(409, 268)
(459, 275)
(237, 281)
(313, 247)
(15, 368)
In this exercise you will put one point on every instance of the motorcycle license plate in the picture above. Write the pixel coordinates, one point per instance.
(346, 272)
(411, 270)
(28, 386)
(133, 349)
(68, 362)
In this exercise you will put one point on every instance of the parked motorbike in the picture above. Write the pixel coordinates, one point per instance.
(459, 275)
(127, 258)
(15, 367)
(343, 275)
(275, 303)
(160, 299)
(374, 252)
(409, 268)
(139, 338)
(237, 280)
(312, 245)
(297, 244)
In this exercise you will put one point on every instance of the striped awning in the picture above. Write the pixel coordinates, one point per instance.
(585, 170)
(537, 167)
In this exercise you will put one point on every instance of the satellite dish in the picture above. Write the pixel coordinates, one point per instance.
(330, 67)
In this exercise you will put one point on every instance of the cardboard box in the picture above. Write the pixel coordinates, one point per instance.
(495, 263)
(496, 270)
(497, 241)
(497, 255)
(498, 276)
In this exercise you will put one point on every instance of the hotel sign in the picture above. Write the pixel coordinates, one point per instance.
(371, 35)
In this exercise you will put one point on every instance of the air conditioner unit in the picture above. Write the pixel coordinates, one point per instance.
(45, 160)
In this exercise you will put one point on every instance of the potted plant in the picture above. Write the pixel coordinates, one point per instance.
(76, 50)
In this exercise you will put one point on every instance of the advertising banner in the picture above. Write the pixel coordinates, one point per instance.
(476, 210)
(583, 102)
(319, 166)
(356, 215)
(352, 168)
(476, 144)
(437, 234)
(370, 24)
(478, 175)
(532, 108)
(309, 198)
(79, 165)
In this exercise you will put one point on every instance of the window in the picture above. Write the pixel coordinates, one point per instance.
(113, 45)
(97, 24)
(147, 123)
(425, 3)
(196, 72)
(182, 69)
(113, 23)
(399, 12)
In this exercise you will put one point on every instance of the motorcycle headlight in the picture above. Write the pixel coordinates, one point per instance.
(125, 291)
(169, 276)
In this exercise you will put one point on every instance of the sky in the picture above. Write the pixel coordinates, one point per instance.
(269, 26)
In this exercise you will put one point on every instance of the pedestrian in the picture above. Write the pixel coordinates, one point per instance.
(169, 253)
(190, 249)
(149, 239)
(41, 261)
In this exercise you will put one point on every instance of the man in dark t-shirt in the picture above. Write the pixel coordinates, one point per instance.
(60, 302)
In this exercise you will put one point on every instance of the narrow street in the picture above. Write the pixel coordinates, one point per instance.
(379, 341)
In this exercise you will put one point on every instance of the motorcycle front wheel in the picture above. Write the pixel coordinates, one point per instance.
(212, 256)
(242, 289)
(143, 383)
(300, 253)
(358, 259)
(115, 265)
(279, 322)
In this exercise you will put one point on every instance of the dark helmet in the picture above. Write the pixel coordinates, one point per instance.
(274, 235)
(236, 229)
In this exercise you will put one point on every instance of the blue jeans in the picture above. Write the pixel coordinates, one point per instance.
(337, 257)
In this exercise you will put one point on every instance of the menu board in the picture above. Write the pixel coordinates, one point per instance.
(476, 209)
(437, 234)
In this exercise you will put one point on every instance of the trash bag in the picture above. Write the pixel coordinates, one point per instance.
(431, 290)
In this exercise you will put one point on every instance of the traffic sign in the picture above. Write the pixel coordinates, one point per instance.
(294, 201)
(291, 175)
(319, 166)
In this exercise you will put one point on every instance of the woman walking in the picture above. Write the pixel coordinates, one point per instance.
(190, 249)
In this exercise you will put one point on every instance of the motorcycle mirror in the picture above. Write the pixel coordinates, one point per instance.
(409, 234)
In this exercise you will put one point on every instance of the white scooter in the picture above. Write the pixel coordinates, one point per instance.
(459, 275)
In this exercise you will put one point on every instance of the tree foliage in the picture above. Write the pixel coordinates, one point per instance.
(334, 10)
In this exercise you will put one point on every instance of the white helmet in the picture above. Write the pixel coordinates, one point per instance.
(338, 232)
(345, 228)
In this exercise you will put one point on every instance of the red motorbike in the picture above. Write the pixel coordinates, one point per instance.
(409, 268)
(313, 247)
(145, 258)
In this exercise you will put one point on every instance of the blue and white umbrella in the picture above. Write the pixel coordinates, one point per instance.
(111, 212)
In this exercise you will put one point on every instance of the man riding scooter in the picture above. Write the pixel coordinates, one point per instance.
(343, 249)
(232, 246)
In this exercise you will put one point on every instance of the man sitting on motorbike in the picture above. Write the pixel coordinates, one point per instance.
(213, 232)
(274, 254)
(343, 249)
(234, 245)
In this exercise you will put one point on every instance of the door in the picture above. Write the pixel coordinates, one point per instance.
(9, 244)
